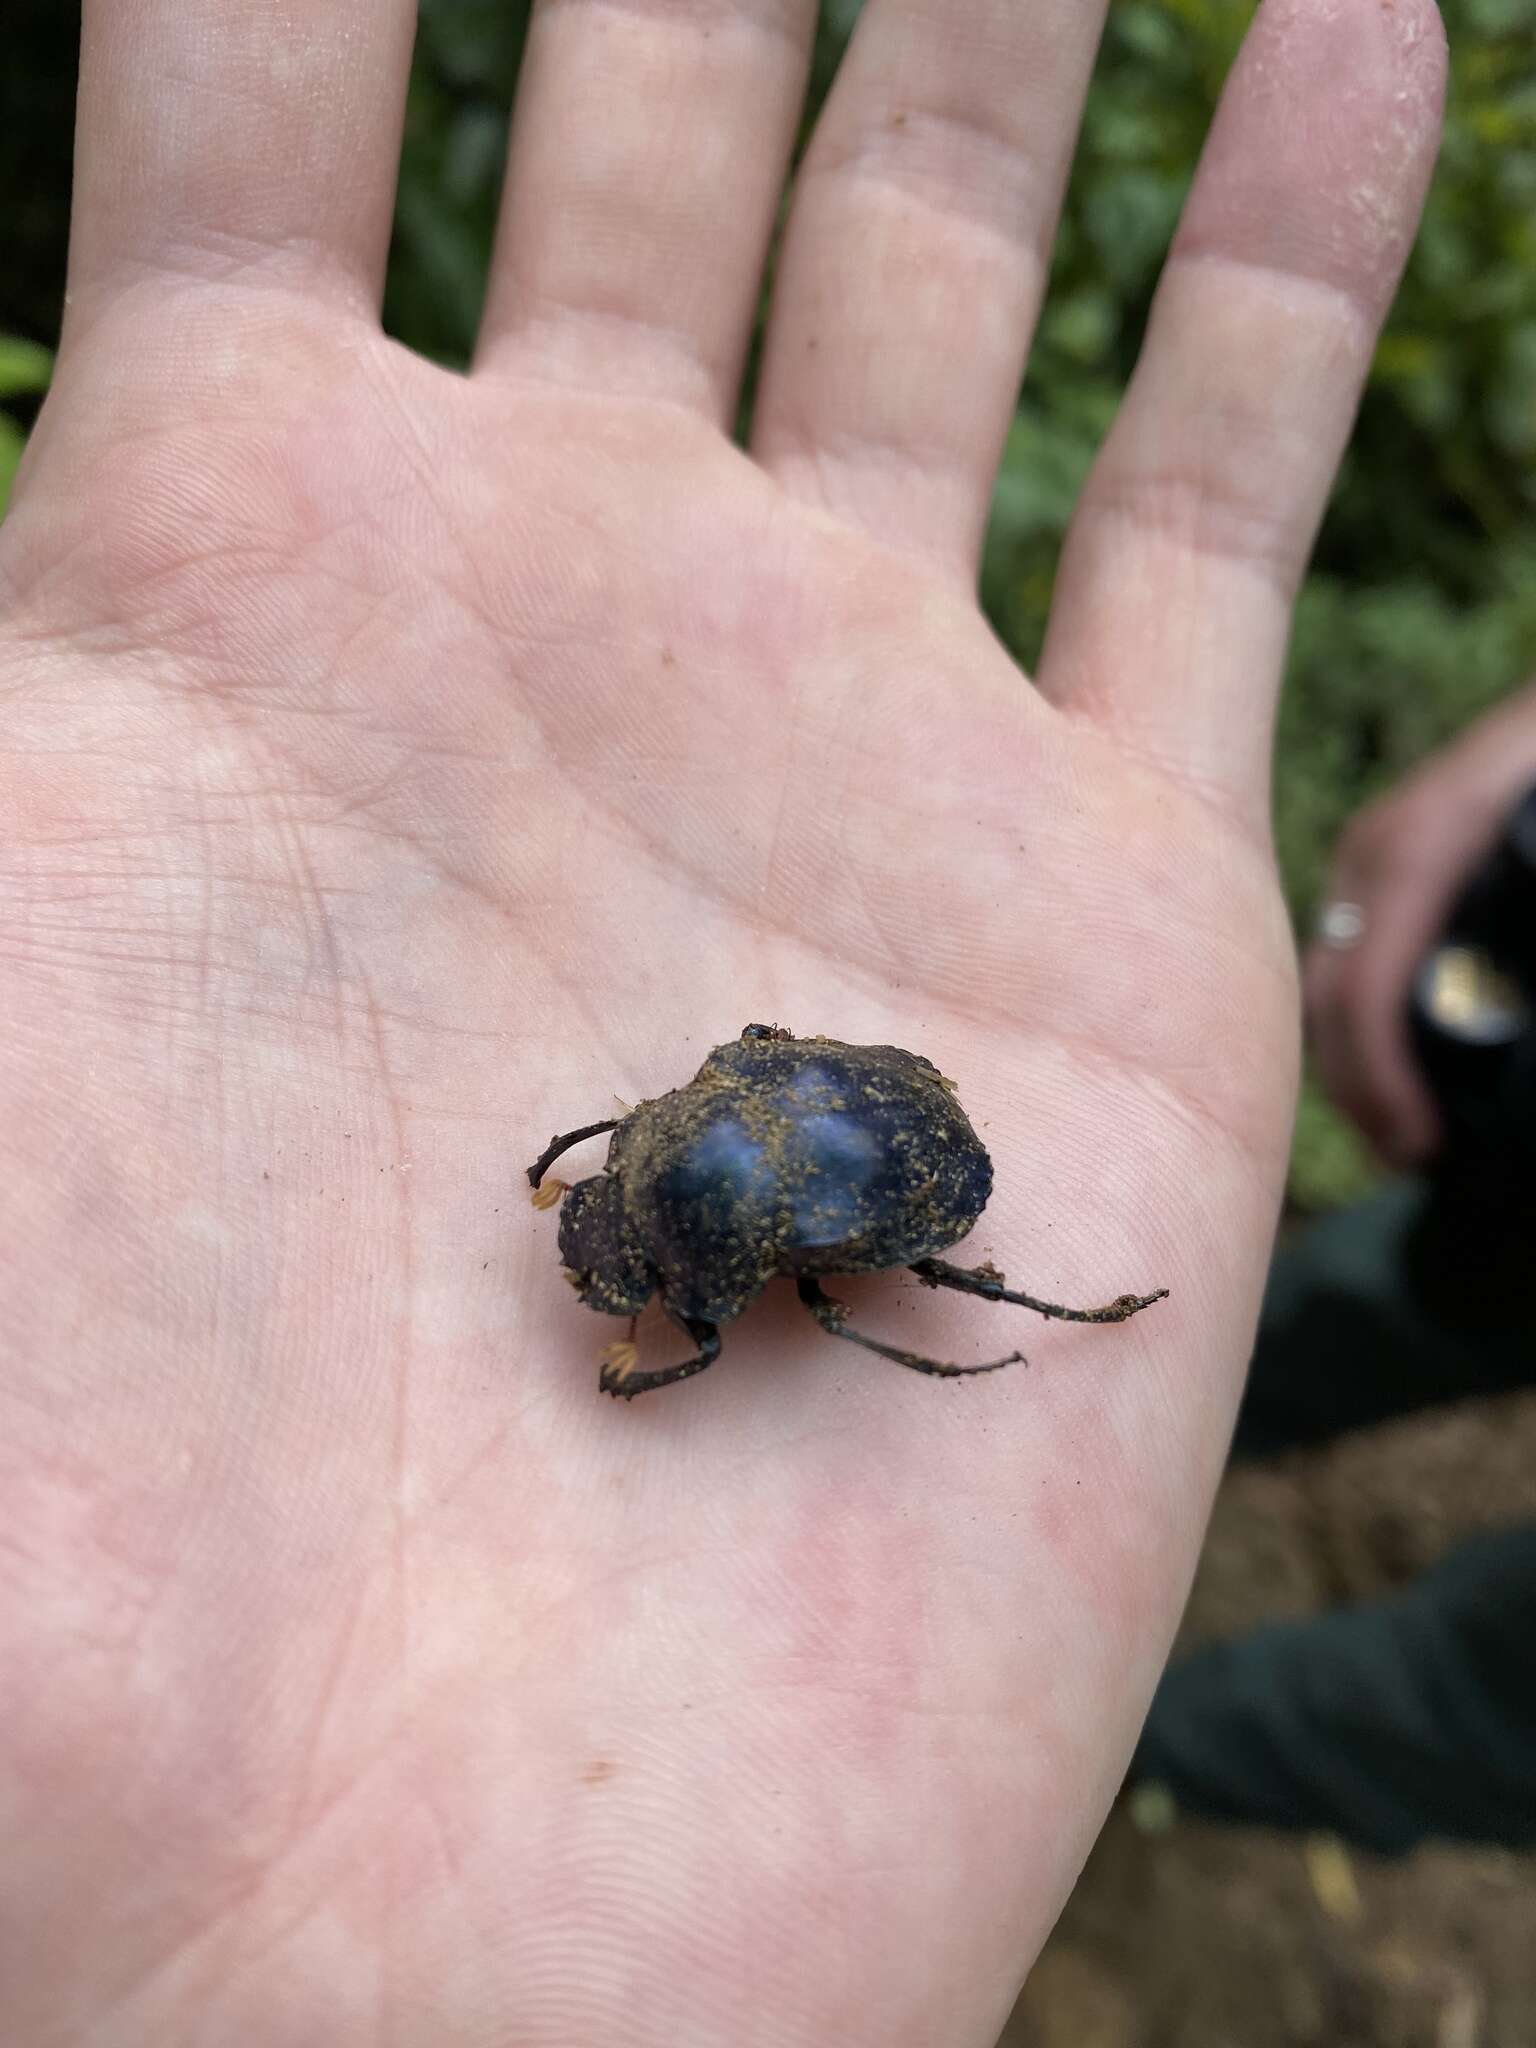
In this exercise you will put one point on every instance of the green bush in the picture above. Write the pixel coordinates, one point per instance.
(25, 367)
(1421, 608)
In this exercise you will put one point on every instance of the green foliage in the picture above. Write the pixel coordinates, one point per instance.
(1422, 606)
(467, 55)
(25, 367)
(1329, 1162)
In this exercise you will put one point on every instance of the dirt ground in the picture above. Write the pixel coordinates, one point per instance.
(1188, 1936)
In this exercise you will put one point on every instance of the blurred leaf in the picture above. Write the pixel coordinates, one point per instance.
(25, 367)
(1331, 1873)
(12, 441)
(1152, 1808)
(1331, 1165)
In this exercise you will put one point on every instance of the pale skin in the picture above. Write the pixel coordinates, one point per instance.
(397, 765)
(1402, 861)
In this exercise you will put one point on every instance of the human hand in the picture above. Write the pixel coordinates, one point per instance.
(394, 765)
(1401, 863)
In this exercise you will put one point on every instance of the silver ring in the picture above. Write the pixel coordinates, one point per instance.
(1341, 926)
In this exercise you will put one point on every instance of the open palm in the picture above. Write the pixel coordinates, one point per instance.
(396, 766)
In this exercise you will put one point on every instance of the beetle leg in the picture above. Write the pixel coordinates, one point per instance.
(556, 1146)
(622, 1381)
(833, 1318)
(988, 1283)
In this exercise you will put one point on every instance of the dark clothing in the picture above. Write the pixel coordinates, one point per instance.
(1413, 1298)
(1411, 1716)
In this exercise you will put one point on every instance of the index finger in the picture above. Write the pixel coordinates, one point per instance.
(222, 140)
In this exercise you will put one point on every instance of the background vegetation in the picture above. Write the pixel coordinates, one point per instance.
(1421, 608)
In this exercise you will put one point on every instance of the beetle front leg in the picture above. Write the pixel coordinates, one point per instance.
(988, 1283)
(619, 1377)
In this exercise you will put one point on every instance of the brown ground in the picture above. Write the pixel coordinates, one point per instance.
(1202, 1937)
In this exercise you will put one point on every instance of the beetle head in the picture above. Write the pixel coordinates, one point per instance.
(598, 1247)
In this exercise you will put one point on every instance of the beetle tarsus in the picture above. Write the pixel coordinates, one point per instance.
(988, 1283)
(619, 1378)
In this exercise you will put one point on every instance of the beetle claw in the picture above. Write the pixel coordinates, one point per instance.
(619, 1361)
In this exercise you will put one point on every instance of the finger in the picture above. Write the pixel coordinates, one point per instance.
(1175, 590)
(1356, 997)
(225, 139)
(915, 260)
(1356, 1006)
(1401, 864)
(649, 149)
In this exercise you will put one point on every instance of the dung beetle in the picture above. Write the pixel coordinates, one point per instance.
(788, 1155)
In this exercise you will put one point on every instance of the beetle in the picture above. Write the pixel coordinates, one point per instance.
(783, 1155)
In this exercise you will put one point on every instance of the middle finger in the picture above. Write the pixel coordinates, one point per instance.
(649, 148)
